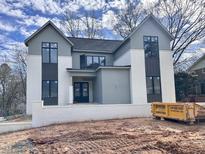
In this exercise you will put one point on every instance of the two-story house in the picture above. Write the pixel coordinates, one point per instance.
(63, 71)
(197, 70)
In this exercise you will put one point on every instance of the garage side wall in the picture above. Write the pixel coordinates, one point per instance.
(116, 85)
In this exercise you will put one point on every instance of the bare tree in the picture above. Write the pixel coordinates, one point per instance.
(72, 23)
(185, 20)
(128, 17)
(18, 59)
(92, 25)
(5, 70)
(85, 24)
(13, 81)
(9, 92)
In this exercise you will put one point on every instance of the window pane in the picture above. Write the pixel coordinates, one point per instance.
(151, 46)
(45, 54)
(54, 88)
(102, 61)
(154, 39)
(45, 44)
(89, 61)
(147, 47)
(54, 45)
(147, 38)
(77, 89)
(54, 56)
(149, 85)
(85, 89)
(45, 90)
(95, 60)
(154, 48)
(157, 85)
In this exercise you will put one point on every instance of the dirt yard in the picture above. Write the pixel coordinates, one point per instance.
(139, 135)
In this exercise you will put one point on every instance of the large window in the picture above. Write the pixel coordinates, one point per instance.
(92, 62)
(151, 46)
(153, 85)
(50, 88)
(49, 52)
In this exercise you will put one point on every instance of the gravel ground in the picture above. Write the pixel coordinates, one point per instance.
(137, 135)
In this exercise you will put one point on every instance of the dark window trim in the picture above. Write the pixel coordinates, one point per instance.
(93, 58)
(49, 52)
(153, 89)
(86, 64)
(49, 88)
(151, 42)
(202, 84)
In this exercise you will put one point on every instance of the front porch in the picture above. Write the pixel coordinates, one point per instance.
(105, 85)
(82, 83)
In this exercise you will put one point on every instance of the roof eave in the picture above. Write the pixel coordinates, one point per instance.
(41, 28)
(145, 19)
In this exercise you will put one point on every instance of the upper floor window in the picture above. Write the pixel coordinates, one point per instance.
(151, 46)
(49, 52)
(91, 62)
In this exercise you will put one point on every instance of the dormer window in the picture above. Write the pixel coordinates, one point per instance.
(91, 62)
(49, 52)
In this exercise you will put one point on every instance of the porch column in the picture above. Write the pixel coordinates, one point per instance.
(71, 91)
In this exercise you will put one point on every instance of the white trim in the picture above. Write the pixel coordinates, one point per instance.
(94, 51)
(46, 115)
(113, 67)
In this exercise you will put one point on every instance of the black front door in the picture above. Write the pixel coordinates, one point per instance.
(81, 92)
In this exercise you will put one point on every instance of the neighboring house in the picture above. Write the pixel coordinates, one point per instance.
(197, 70)
(66, 70)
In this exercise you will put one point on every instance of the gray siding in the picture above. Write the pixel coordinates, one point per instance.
(49, 34)
(150, 28)
(97, 86)
(124, 48)
(115, 86)
(76, 58)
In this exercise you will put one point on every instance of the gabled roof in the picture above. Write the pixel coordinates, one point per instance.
(94, 45)
(196, 62)
(140, 25)
(44, 26)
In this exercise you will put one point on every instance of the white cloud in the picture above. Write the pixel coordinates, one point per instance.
(7, 27)
(10, 10)
(109, 19)
(119, 4)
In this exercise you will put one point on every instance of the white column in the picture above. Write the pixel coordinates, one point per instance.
(71, 96)
(34, 81)
(138, 77)
(167, 76)
(64, 79)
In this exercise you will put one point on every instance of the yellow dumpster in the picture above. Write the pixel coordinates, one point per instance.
(187, 112)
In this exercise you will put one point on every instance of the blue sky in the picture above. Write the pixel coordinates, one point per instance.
(20, 18)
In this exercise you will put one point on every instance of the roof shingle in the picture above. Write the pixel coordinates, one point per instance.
(94, 45)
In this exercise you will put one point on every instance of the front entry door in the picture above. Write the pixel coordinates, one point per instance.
(81, 92)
